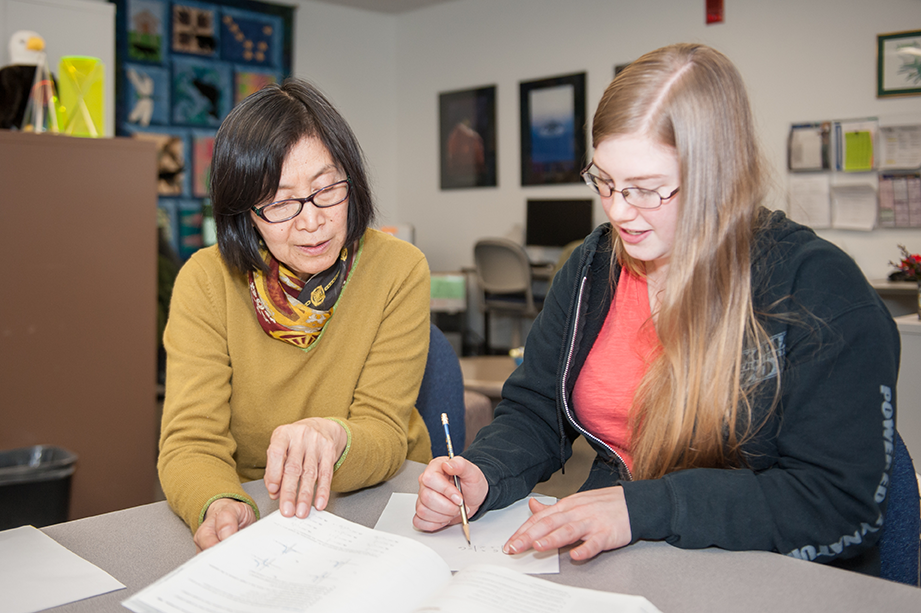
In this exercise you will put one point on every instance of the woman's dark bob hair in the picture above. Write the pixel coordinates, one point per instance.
(250, 149)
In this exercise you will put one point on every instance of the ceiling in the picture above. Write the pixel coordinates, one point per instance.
(386, 6)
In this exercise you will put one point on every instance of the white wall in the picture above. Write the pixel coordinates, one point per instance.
(801, 60)
(349, 54)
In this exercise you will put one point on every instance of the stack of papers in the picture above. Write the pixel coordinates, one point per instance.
(328, 564)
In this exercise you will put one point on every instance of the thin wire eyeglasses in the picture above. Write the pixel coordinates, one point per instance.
(289, 208)
(634, 196)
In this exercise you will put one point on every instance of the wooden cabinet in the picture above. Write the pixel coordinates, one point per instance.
(78, 310)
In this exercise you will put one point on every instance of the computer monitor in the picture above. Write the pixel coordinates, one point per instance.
(556, 223)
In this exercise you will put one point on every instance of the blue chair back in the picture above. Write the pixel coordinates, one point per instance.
(900, 542)
(442, 391)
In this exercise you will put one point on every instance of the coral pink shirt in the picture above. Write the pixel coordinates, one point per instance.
(604, 391)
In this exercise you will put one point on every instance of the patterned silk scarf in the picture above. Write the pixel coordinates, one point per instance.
(295, 311)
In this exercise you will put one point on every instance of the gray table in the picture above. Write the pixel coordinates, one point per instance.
(139, 545)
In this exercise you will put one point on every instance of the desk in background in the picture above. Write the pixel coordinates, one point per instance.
(487, 373)
(137, 546)
(900, 297)
(484, 375)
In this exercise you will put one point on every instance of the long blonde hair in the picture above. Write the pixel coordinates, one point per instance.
(693, 407)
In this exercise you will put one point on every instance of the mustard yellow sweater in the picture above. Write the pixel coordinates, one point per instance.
(229, 385)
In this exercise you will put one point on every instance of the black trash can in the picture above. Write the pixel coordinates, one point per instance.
(35, 486)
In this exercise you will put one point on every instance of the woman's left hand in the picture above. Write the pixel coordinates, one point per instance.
(300, 461)
(598, 518)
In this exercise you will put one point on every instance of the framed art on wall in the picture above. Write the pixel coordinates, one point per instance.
(552, 129)
(467, 127)
(181, 66)
(898, 64)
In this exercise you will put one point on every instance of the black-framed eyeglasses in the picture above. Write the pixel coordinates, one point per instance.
(289, 208)
(634, 196)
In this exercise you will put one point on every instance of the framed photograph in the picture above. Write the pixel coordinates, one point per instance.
(552, 130)
(898, 64)
(467, 125)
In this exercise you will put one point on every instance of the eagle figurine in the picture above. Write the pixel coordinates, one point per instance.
(26, 52)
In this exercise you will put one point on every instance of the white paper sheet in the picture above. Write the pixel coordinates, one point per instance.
(900, 147)
(36, 573)
(808, 148)
(290, 564)
(491, 589)
(808, 200)
(487, 536)
(854, 207)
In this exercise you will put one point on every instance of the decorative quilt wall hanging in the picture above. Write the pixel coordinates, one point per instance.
(180, 67)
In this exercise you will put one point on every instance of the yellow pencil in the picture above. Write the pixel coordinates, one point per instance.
(463, 507)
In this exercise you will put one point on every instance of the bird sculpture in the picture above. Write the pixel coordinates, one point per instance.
(27, 51)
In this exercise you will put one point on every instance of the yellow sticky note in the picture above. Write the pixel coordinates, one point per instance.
(859, 151)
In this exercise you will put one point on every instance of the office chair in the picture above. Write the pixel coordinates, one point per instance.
(900, 541)
(442, 391)
(503, 271)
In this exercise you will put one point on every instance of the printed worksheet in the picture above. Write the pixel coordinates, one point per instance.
(487, 536)
(326, 564)
(322, 563)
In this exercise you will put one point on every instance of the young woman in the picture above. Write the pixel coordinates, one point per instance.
(733, 371)
(295, 348)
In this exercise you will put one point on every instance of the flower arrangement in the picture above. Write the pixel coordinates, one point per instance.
(908, 268)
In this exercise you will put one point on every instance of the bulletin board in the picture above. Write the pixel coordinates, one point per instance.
(857, 174)
(180, 67)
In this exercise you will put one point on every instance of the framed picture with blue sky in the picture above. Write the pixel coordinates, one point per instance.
(553, 139)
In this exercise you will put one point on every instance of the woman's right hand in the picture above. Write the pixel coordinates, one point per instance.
(224, 517)
(438, 503)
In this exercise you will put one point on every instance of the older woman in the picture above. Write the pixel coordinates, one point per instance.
(296, 346)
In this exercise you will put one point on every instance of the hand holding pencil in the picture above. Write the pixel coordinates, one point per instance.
(463, 507)
(440, 499)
